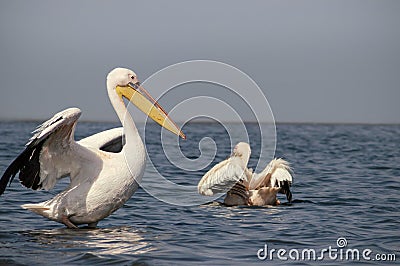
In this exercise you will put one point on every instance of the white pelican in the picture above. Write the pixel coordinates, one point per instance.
(245, 187)
(100, 179)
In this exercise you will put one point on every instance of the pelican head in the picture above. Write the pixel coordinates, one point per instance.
(121, 77)
(125, 83)
(242, 150)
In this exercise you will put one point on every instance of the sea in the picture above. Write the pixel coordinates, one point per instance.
(345, 208)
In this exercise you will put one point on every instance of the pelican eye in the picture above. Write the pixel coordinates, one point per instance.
(132, 77)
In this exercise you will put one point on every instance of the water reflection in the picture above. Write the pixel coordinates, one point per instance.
(107, 241)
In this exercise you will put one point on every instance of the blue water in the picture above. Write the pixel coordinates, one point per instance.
(347, 182)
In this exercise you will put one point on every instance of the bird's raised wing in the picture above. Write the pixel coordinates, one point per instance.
(111, 140)
(222, 177)
(276, 174)
(47, 155)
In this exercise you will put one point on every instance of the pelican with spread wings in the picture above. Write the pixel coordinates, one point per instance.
(241, 185)
(104, 168)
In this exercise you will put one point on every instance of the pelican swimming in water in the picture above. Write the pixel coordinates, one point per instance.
(244, 187)
(104, 173)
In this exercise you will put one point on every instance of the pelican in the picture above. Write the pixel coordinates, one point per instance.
(244, 187)
(104, 173)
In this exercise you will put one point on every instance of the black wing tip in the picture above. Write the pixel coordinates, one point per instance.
(8, 176)
(12, 170)
(289, 196)
(28, 166)
(3, 184)
(114, 145)
(285, 189)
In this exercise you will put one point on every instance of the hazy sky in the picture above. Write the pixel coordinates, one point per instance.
(316, 61)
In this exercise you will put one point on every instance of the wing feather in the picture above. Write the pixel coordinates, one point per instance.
(276, 174)
(42, 162)
(221, 177)
(111, 140)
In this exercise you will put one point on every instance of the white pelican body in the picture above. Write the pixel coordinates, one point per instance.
(244, 187)
(104, 174)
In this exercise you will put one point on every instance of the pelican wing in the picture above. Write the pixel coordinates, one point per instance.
(44, 159)
(221, 177)
(111, 140)
(276, 174)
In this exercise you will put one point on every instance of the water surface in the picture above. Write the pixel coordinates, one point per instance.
(347, 181)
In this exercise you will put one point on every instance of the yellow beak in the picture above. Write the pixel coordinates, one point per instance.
(137, 95)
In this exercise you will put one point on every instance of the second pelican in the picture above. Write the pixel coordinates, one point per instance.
(244, 187)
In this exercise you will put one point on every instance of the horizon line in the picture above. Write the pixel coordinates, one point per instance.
(39, 121)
